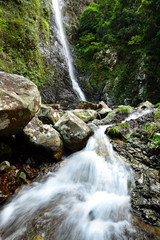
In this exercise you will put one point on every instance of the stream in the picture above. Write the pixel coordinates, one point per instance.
(87, 199)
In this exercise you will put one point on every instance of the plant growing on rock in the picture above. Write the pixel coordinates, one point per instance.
(123, 110)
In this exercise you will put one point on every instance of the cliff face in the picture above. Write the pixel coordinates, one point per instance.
(115, 53)
(118, 50)
(29, 46)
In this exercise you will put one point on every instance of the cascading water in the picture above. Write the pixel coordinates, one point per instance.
(87, 199)
(67, 55)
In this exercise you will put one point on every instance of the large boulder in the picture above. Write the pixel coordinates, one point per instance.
(44, 136)
(74, 131)
(85, 114)
(19, 102)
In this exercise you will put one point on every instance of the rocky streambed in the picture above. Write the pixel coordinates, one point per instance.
(34, 137)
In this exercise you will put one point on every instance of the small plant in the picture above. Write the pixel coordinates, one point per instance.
(110, 114)
(123, 125)
(150, 128)
(123, 110)
(156, 140)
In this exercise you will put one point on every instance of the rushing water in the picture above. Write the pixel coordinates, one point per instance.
(87, 199)
(67, 55)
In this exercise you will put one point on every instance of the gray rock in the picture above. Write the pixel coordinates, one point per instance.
(19, 102)
(48, 115)
(103, 112)
(85, 114)
(144, 105)
(102, 104)
(74, 131)
(45, 136)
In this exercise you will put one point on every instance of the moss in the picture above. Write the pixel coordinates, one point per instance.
(24, 24)
(123, 110)
(123, 125)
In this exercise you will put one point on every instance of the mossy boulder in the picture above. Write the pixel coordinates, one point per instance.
(74, 131)
(85, 114)
(116, 115)
(19, 102)
(45, 137)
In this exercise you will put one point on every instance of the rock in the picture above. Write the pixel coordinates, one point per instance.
(103, 105)
(115, 116)
(144, 105)
(74, 131)
(4, 165)
(145, 194)
(44, 136)
(85, 114)
(30, 171)
(22, 176)
(87, 105)
(19, 102)
(48, 115)
(54, 106)
(103, 112)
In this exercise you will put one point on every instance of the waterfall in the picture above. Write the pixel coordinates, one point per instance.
(67, 55)
(87, 199)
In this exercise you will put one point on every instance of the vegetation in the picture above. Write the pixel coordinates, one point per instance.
(113, 131)
(23, 24)
(123, 110)
(118, 47)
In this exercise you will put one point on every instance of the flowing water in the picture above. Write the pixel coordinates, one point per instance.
(67, 55)
(87, 199)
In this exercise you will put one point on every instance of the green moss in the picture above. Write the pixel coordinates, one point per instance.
(22, 25)
(149, 129)
(123, 110)
(123, 125)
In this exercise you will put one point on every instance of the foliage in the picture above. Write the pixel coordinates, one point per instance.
(150, 128)
(22, 25)
(156, 141)
(113, 131)
(123, 110)
(132, 30)
(123, 125)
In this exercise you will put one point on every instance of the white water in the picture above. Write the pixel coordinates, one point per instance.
(87, 199)
(137, 114)
(57, 11)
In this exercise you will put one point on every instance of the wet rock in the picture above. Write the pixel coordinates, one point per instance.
(103, 112)
(48, 115)
(22, 176)
(19, 102)
(144, 105)
(102, 104)
(30, 171)
(85, 114)
(145, 195)
(44, 136)
(4, 165)
(87, 105)
(74, 131)
(115, 116)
